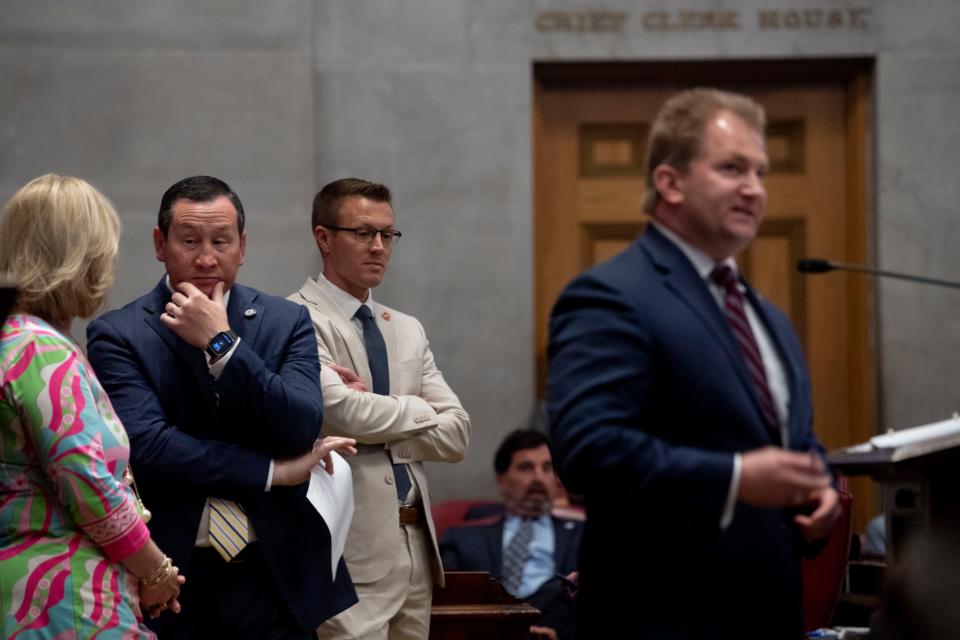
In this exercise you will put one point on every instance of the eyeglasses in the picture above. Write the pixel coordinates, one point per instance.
(367, 234)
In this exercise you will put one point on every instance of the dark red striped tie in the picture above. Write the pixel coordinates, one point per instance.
(733, 309)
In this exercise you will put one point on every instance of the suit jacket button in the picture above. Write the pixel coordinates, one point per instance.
(388, 479)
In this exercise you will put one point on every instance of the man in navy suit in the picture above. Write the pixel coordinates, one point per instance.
(680, 403)
(218, 386)
(528, 485)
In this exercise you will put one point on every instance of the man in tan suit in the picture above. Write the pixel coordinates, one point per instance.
(382, 387)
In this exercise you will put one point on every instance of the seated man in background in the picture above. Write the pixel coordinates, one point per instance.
(526, 548)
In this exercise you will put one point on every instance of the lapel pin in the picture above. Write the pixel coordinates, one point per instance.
(249, 313)
(385, 315)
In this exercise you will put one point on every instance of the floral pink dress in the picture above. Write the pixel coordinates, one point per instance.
(66, 517)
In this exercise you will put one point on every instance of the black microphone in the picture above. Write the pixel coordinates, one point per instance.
(819, 265)
(814, 265)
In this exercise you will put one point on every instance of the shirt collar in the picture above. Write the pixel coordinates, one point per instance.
(543, 517)
(702, 263)
(346, 302)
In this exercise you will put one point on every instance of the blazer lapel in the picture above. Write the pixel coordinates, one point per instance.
(191, 357)
(562, 536)
(493, 538)
(153, 308)
(316, 296)
(244, 314)
(683, 281)
(389, 330)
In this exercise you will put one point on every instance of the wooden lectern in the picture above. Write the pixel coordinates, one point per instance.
(918, 472)
(474, 606)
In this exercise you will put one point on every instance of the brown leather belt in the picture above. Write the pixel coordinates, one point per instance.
(411, 515)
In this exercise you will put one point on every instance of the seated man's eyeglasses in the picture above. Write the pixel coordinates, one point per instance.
(367, 234)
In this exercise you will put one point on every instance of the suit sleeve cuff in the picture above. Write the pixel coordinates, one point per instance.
(731, 503)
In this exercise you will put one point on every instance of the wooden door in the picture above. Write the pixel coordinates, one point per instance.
(589, 146)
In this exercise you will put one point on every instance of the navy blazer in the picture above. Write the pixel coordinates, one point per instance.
(478, 547)
(192, 437)
(649, 398)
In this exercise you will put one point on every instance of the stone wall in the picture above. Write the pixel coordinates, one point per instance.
(434, 98)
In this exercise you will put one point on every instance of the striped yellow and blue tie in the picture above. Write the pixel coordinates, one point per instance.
(229, 529)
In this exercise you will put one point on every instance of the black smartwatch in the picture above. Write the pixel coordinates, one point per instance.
(220, 344)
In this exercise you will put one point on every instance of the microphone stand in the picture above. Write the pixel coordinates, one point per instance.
(818, 265)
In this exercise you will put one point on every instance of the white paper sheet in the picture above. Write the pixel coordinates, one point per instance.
(916, 435)
(332, 497)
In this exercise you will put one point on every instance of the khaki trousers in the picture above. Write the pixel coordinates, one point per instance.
(397, 607)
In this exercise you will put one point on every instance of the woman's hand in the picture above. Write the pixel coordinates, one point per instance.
(157, 598)
(287, 473)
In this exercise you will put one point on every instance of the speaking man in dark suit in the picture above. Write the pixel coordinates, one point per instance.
(525, 547)
(218, 386)
(680, 403)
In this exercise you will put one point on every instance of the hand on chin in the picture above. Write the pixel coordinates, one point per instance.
(206, 285)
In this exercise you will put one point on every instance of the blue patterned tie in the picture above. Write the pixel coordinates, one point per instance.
(515, 557)
(380, 372)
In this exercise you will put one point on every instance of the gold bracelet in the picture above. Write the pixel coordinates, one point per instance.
(163, 572)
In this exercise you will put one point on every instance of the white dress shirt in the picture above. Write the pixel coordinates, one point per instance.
(773, 367)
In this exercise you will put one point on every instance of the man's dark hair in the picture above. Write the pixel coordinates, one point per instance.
(197, 189)
(326, 204)
(517, 441)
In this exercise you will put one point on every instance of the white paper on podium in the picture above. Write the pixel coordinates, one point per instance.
(915, 435)
(332, 497)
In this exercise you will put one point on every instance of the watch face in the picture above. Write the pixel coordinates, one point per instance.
(221, 343)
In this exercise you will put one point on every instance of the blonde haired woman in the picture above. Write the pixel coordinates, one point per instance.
(76, 559)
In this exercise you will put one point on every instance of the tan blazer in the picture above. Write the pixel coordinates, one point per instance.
(421, 419)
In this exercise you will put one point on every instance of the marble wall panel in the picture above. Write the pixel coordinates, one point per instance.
(918, 225)
(433, 97)
(134, 122)
(930, 25)
(141, 24)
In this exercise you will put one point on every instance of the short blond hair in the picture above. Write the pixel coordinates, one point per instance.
(58, 241)
(679, 128)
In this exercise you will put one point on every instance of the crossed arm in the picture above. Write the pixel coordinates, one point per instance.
(428, 426)
(284, 405)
